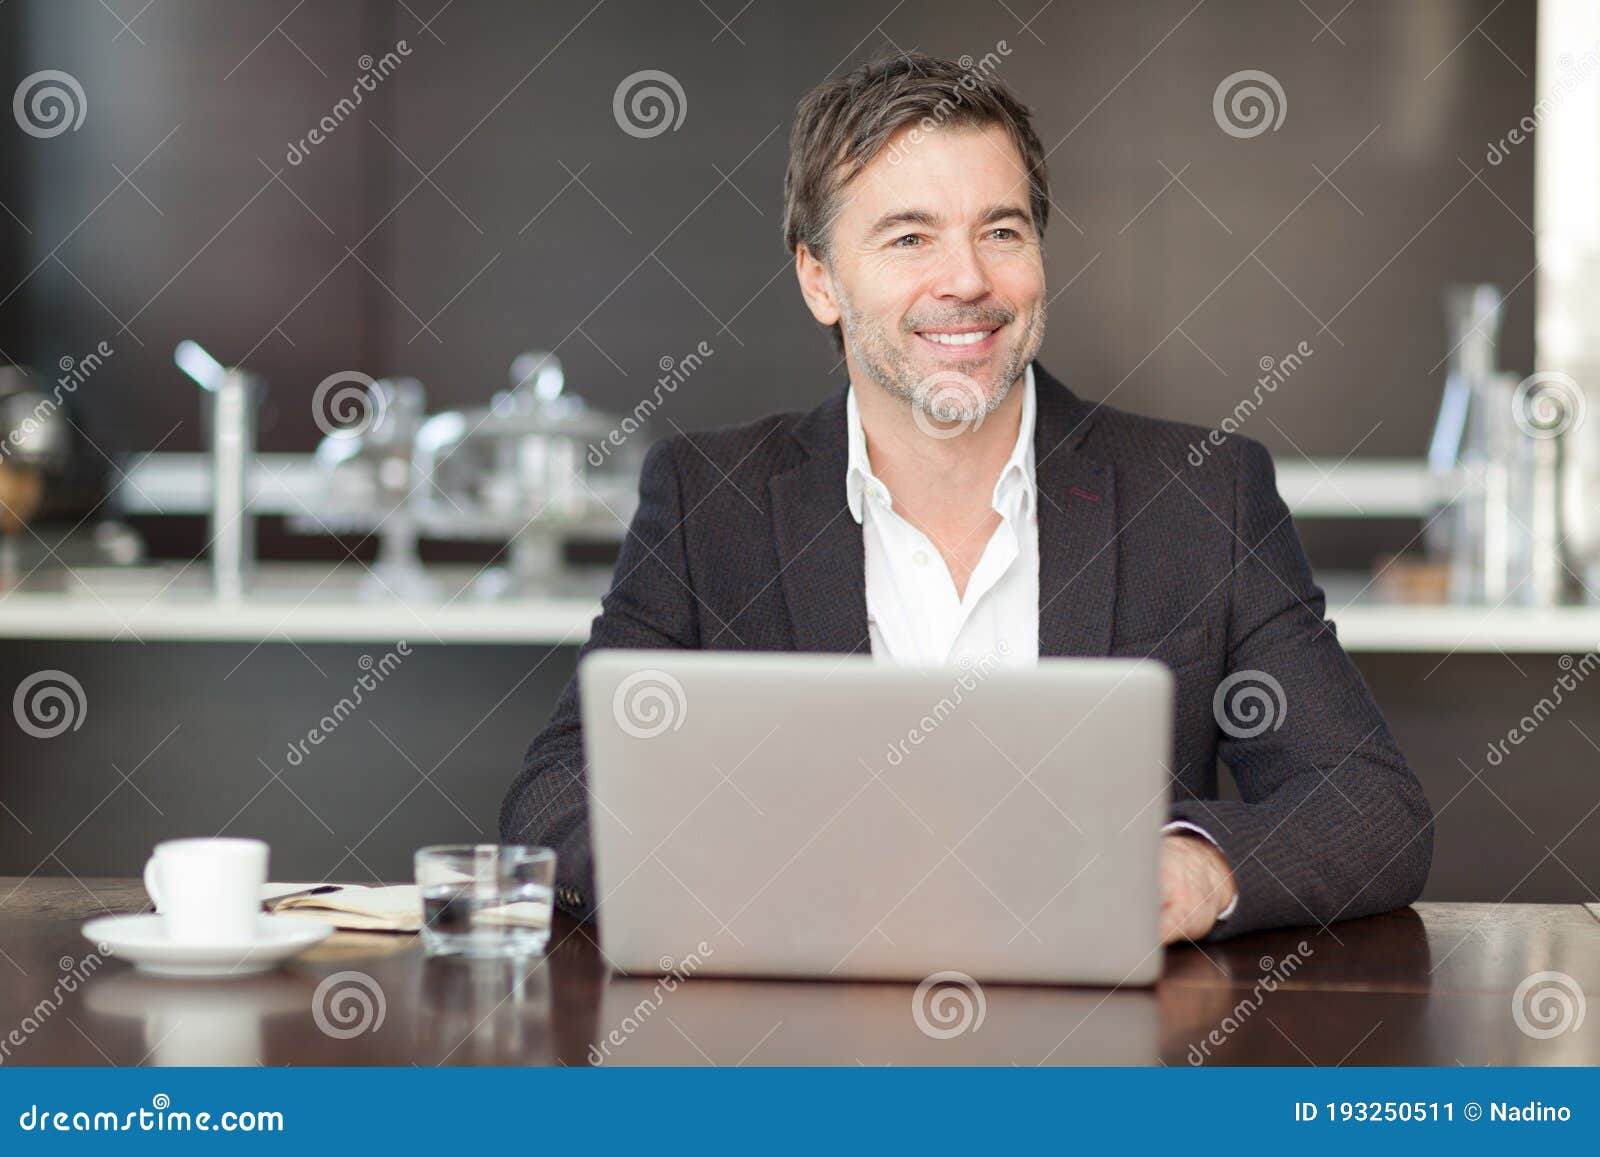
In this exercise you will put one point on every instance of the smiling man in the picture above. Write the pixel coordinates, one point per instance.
(955, 501)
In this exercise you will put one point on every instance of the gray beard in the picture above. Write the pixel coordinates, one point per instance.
(948, 395)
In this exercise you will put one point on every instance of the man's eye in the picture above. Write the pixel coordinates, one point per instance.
(1005, 234)
(909, 241)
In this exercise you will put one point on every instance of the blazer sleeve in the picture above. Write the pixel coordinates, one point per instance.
(1331, 824)
(650, 604)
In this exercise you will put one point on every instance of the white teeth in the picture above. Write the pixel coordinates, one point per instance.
(959, 338)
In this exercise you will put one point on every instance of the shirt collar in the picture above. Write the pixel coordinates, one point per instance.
(1016, 481)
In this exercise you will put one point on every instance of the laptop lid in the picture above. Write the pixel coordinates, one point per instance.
(814, 816)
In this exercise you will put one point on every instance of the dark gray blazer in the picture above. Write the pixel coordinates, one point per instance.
(743, 541)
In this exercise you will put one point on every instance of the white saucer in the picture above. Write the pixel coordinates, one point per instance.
(142, 941)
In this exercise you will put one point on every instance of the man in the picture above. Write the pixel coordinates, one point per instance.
(956, 501)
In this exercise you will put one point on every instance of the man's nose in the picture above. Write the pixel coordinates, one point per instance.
(961, 274)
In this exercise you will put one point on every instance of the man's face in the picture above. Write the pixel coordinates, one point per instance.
(936, 273)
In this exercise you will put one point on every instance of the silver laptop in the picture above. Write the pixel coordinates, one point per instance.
(819, 816)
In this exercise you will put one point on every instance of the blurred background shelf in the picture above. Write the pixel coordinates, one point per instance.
(1355, 487)
(1368, 624)
(289, 602)
(179, 483)
(316, 603)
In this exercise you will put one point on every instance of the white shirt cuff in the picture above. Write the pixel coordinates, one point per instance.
(1196, 829)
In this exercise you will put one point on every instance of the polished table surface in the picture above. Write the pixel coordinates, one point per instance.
(1438, 984)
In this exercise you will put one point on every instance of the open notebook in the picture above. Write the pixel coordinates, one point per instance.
(393, 908)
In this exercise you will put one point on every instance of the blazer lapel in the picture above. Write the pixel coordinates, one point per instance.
(821, 557)
(1077, 526)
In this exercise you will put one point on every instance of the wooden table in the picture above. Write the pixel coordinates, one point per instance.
(1430, 985)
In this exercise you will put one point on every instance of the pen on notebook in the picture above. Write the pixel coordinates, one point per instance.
(269, 905)
(320, 890)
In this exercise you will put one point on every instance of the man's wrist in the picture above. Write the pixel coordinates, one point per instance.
(1226, 885)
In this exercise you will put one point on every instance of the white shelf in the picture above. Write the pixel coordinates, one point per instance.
(170, 482)
(311, 604)
(290, 603)
(318, 604)
(1356, 487)
(1377, 629)
(547, 622)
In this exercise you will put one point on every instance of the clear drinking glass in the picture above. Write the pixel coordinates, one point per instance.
(486, 899)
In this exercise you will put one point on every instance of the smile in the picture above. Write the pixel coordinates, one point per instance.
(963, 340)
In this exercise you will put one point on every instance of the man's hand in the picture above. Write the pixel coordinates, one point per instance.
(1196, 884)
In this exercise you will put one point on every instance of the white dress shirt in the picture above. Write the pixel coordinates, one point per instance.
(914, 616)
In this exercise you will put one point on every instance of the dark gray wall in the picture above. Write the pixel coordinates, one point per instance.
(200, 730)
(650, 251)
(12, 235)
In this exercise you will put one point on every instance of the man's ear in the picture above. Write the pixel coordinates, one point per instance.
(816, 285)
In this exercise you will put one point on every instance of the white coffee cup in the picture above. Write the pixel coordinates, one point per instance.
(208, 891)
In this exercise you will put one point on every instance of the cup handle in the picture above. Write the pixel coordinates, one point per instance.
(151, 874)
